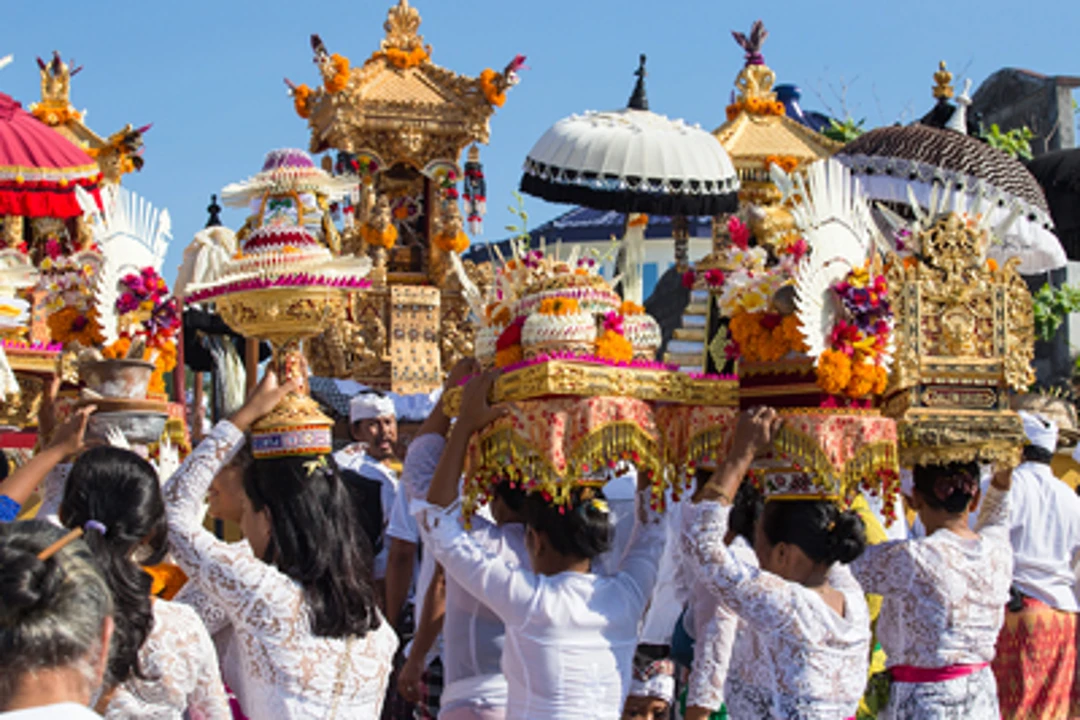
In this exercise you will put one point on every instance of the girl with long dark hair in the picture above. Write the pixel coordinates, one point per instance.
(298, 594)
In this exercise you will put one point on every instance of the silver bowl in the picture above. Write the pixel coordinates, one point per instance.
(140, 427)
(127, 379)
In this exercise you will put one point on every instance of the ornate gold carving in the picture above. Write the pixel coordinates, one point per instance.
(755, 82)
(565, 377)
(414, 339)
(21, 410)
(943, 82)
(12, 227)
(402, 28)
(964, 336)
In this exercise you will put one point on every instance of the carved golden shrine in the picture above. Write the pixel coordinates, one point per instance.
(401, 123)
(116, 155)
(964, 339)
(758, 134)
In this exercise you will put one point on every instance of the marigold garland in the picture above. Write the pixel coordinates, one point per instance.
(558, 306)
(491, 91)
(509, 356)
(755, 106)
(833, 371)
(452, 243)
(69, 325)
(301, 97)
(403, 60)
(766, 337)
(787, 163)
(340, 79)
(385, 238)
(613, 346)
(167, 580)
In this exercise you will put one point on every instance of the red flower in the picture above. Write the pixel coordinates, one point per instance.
(771, 321)
(511, 336)
(714, 278)
(53, 248)
(798, 249)
(688, 279)
(740, 234)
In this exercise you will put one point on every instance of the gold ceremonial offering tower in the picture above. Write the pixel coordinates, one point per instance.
(757, 135)
(401, 124)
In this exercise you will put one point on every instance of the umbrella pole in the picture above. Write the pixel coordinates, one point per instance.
(680, 233)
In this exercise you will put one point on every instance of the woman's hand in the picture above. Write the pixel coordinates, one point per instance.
(1003, 475)
(754, 431)
(463, 369)
(476, 412)
(70, 438)
(408, 681)
(263, 399)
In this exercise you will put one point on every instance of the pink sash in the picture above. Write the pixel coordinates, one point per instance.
(912, 674)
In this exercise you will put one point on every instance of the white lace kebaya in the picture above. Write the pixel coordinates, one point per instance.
(570, 637)
(943, 604)
(794, 657)
(287, 671)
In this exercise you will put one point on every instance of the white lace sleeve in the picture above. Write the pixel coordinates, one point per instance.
(887, 568)
(228, 573)
(762, 600)
(211, 613)
(52, 493)
(181, 667)
(712, 657)
(994, 514)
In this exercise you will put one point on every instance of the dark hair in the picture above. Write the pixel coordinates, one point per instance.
(243, 460)
(819, 528)
(948, 487)
(315, 539)
(121, 491)
(584, 529)
(745, 510)
(1036, 454)
(367, 503)
(513, 497)
(51, 611)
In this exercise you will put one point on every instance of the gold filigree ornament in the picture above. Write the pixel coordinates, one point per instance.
(964, 340)
(284, 317)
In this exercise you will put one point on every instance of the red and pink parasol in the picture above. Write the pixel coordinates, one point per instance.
(40, 168)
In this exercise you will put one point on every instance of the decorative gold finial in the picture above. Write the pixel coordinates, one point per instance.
(943, 90)
(402, 26)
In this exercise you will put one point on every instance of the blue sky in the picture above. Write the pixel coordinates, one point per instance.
(209, 74)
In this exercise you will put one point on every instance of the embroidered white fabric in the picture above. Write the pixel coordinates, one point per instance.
(943, 597)
(714, 627)
(794, 657)
(179, 660)
(287, 671)
(571, 637)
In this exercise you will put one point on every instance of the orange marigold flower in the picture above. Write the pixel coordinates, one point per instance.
(863, 378)
(630, 307)
(833, 371)
(613, 346)
(507, 357)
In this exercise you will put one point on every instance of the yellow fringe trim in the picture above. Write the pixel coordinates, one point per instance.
(862, 471)
(501, 454)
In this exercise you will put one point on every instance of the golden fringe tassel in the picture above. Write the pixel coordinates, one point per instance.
(502, 455)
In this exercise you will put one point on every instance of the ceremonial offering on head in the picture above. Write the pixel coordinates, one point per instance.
(278, 279)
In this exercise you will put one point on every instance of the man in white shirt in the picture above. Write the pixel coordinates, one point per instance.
(1035, 665)
(373, 426)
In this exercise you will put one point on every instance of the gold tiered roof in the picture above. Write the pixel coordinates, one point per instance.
(398, 105)
(758, 130)
(116, 155)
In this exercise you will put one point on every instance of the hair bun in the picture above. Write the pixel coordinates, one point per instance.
(847, 537)
(25, 581)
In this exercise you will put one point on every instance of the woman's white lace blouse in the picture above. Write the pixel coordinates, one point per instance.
(287, 671)
(794, 657)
